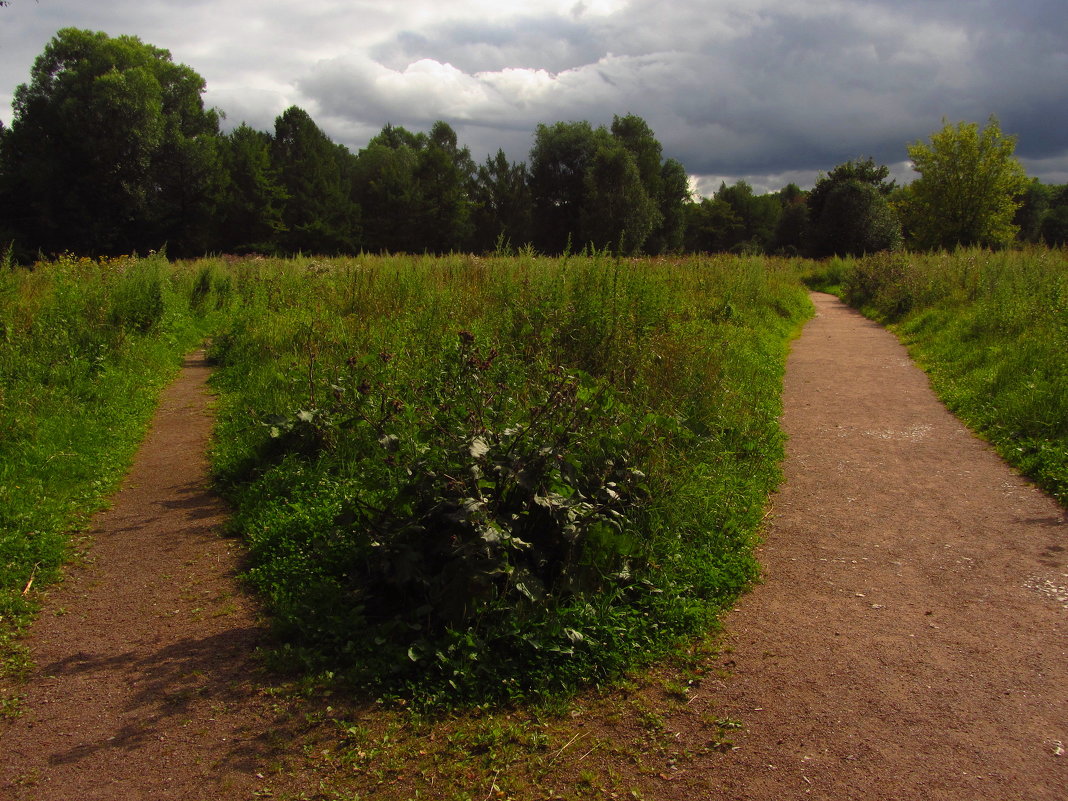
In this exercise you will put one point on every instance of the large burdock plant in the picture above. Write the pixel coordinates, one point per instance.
(484, 519)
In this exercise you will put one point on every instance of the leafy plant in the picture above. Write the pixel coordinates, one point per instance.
(466, 480)
(475, 506)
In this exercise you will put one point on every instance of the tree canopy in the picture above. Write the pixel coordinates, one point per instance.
(849, 212)
(110, 147)
(969, 188)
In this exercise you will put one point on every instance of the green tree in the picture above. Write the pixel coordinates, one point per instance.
(792, 230)
(711, 226)
(606, 187)
(386, 189)
(252, 200)
(667, 237)
(1034, 206)
(559, 159)
(757, 215)
(617, 212)
(969, 188)
(444, 173)
(111, 148)
(416, 189)
(316, 175)
(501, 204)
(1054, 229)
(849, 211)
(7, 199)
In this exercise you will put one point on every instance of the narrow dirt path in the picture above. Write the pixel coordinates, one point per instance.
(911, 637)
(146, 682)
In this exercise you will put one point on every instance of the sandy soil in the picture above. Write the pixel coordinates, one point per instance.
(909, 640)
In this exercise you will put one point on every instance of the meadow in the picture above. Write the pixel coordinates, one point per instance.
(466, 480)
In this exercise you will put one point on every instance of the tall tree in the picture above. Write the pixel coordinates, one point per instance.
(791, 233)
(667, 237)
(758, 216)
(711, 226)
(617, 212)
(849, 211)
(969, 188)
(559, 159)
(7, 198)
(501, 211)
(111, 148)
(252, 200)
(1054, 228)
(444, 173)
(320, 215)
(1034, 206)
(416, 189)
(635, 135)
(606, 187)
(387, 191)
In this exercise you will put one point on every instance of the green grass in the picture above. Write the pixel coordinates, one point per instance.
(465, 479)
(84, 349)
(991, 329)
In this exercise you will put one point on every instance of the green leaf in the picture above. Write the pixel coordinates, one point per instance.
(574, 635)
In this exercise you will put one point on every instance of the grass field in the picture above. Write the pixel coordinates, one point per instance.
(467, 480)
(470, 479)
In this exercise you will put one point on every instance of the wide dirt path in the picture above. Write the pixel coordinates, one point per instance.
(911, 639)
(145, 682)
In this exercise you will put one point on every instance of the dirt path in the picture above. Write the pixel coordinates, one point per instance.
(145, 687)
(911, 639)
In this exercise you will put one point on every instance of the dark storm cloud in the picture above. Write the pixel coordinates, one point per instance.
(550, 43)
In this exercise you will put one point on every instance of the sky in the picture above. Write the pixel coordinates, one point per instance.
(767, 91)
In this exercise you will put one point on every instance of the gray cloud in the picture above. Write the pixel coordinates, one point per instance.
(774, 90)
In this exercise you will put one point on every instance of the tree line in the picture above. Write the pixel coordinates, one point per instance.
(111, 150)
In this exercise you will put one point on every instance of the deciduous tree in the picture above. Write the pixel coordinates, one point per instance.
(617, 212)
(969, 188)
(849, 212)
(111, 148)
(559, 159)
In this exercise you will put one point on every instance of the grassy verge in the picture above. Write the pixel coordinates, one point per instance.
(84, 348)
(991, 330)
(467, 480)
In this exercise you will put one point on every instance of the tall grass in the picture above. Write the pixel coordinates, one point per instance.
(471, 478)
(84, 347)
(991, 329)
